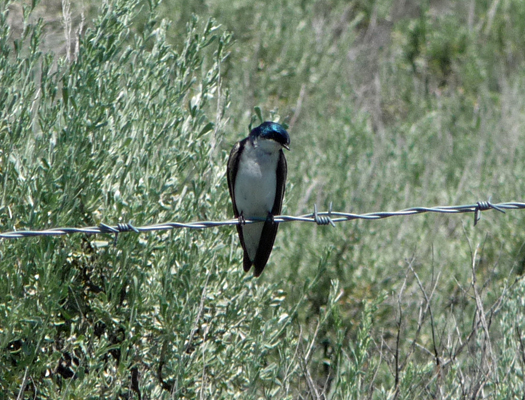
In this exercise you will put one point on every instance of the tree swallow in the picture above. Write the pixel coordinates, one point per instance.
(256, 179)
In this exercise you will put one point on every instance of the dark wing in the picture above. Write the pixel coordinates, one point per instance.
(282, 171)
(233, 165)
(270, 226)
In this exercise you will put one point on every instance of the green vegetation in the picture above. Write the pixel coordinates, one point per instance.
(133, 119)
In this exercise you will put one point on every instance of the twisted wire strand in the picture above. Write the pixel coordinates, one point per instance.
(320, 218)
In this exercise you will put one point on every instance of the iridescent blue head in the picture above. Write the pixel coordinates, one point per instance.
(271, 131)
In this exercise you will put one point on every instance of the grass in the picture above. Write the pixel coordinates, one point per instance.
(389, 106)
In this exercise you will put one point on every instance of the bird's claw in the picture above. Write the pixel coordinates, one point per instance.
(242, 221)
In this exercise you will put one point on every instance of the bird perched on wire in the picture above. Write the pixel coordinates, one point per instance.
(256, 179)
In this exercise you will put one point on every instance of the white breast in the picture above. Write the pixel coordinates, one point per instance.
(256, 182)
(255, 188)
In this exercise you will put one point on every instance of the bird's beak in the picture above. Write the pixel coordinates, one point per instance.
(286, 147)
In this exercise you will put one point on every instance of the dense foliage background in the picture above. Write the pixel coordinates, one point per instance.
(117, 111)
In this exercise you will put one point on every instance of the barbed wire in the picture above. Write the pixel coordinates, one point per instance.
(320, 218)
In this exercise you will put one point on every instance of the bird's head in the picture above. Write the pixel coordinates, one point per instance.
(270, 134)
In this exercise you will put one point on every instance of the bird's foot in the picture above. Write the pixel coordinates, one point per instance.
(242, 221)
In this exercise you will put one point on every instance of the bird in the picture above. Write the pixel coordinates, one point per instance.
(256, 175)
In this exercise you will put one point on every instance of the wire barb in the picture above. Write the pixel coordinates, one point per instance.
(484, 206)
(127, 228)
(121, 227)
(320, 218)
(323, 219)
